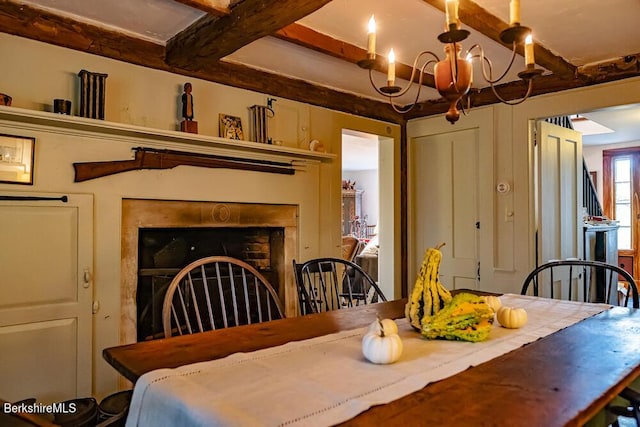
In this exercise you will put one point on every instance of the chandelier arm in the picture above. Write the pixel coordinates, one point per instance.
(517, 101)
(410, 106)
(413, 72)
(424, 66)
(454, 65)
(484, 59)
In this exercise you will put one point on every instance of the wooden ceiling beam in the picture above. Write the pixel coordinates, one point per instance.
(212, 7)
(626, 67)
(508, 91)
(478, 18)
(212, 38)
(37, 24)
(322, 43)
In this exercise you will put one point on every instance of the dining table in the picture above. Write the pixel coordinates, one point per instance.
(560, 373)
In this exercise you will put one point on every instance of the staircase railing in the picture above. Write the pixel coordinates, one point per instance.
(589, 193)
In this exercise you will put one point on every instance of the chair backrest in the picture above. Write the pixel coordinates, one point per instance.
(591, 281)
(351, 246)
(217, 292)
(326, 284)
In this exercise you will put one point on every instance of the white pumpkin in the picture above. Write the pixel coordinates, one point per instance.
(389, 325)
(381, 347)
(511, 317)
(494, 302)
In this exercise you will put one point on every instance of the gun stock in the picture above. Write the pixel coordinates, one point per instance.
(161, 159)
(90, 170)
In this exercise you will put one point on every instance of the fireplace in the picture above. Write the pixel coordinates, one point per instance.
(159, 237)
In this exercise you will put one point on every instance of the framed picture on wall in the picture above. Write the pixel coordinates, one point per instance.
(231, 127)
(16, 159)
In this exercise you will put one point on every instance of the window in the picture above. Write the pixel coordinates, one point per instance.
(622, 200)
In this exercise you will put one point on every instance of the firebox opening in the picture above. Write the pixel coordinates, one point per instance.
(162, 252)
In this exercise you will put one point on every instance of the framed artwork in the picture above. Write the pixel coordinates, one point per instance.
(16, 159)
(231, 127)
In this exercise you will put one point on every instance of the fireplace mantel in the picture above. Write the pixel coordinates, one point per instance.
(159, 138)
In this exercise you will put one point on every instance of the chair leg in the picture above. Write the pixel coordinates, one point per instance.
(634, 401)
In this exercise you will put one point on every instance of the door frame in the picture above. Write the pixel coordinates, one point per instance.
(608, 198)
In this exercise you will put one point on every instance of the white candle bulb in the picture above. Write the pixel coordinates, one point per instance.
(528, 51)
(371, 41)
(391, 71)
(514, 12)
(451, 10)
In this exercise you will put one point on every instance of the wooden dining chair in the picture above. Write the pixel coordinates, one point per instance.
(326, 284)
(589, 281)
(218, 292)
(582, 280)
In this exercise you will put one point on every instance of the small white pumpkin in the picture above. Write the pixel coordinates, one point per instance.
(511, 317)
(494, 302)
(379, 346)
(389, 325)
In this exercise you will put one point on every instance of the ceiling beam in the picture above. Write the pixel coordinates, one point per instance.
(212, 7)
(474, 16)
(37, 24)
(628, 66)
(322, 43)
(212, 38)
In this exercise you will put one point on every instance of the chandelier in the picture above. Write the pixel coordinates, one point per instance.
(453, 74)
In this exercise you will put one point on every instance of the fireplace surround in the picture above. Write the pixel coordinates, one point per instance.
(139, 215)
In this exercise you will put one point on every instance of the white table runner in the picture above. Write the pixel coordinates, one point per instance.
(326, 380)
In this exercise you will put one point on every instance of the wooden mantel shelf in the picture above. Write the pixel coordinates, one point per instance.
(157, 137)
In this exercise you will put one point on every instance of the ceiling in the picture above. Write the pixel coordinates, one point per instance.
(306, 50)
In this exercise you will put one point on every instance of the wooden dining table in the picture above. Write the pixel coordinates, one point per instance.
(563, 379)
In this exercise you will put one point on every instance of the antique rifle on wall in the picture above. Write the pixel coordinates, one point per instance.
(151, 158)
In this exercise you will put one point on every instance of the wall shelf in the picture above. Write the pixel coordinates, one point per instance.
(154, 137)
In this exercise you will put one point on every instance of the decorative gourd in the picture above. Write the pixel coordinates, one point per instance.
(494, 302)
(390, 327)
(429, 296)
(467, 317)
(381, 346)
(512, 318)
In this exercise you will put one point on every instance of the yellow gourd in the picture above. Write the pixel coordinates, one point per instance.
(512, 318)
(380, 345)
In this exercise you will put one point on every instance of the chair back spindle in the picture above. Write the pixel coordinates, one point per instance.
(326, 284)
(589, 281)
(218, 292)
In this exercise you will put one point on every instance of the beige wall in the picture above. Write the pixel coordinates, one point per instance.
(37, 73)
(511, 245)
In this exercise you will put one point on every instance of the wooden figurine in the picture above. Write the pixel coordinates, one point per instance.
(188, 124)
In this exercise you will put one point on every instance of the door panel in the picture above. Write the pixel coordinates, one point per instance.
(560, 192)
(559, 176)
(446, 203)
(45, 310)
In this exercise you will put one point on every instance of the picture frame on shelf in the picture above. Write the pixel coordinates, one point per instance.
(16, 159)
(231, 127)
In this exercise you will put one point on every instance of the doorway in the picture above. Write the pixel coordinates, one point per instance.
(367, 180)
(621, 183)
(611, 147)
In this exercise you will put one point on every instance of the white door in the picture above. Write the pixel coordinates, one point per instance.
(46, 261)
(445, 186)
(559, 195)
(559, 192)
